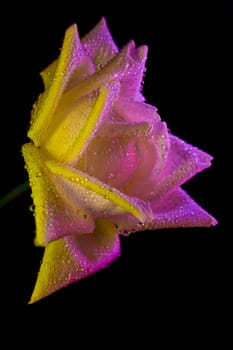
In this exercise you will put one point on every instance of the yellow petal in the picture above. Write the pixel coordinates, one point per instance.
(58, 269)
(43, 111)
(48, 74)
(72, 134)
(70, 119)
(88, 129)
(38, 185)
(66, 261)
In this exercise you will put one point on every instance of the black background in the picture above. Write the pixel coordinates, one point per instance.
(167, 276)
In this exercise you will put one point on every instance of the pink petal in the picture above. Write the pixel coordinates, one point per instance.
(183, 162)
(131, 84)
(68, 260)
(152, 151)
(110, 151)
(97, 248)
(63, 220)
(138, 149)
(177, 209)
(117, 129)
(99, 44)
(133, 111)
(84, 69)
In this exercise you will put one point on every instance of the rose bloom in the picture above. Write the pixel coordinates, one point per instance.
(101, 162)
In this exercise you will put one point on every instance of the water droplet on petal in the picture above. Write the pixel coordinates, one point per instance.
(31, 207)
(111, 175)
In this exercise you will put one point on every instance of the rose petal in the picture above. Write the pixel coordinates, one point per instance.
(131, 84)
(175, 209)
(48, 74)
(62, 220)
(183, 162)
(115, 147)
(39, 189)
(72, 134)
(110, 74)
(138, 149)
(68, 260)
(84, 68)
(54, 218)
(93, 122)
(124, 129)
(99, 44)
(133, 111)
(95, 197)
(45, 107)
(152, 151)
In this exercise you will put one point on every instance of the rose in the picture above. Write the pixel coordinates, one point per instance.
(100, 161)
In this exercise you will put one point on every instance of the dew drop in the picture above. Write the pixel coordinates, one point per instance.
(125, 232)
(31, 207)
(100, 66)
(38, 174)
(111, 175)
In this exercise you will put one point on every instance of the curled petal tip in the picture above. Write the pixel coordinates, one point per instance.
(214, 222)
(141, 53)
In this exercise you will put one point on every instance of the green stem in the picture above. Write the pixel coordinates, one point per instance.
(14, 193)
